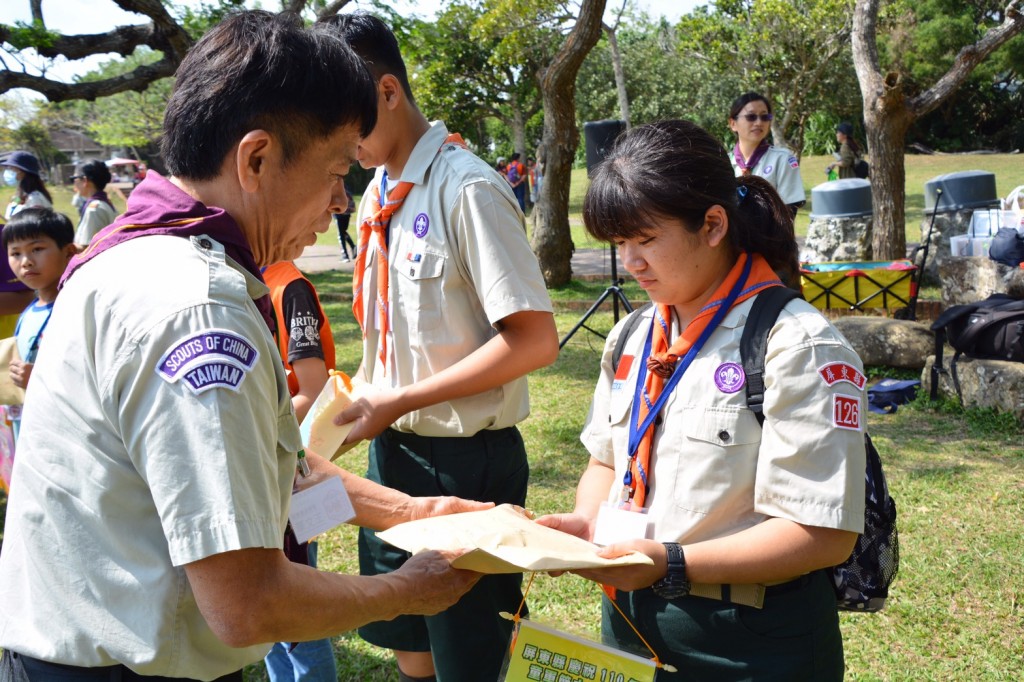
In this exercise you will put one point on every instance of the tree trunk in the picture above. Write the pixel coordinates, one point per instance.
(889, 112)
(620, 76)
(552, 241)
(887, 119)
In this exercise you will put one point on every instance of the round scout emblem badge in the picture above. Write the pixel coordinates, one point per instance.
(420, 225)
(729, 377)
(767, 170)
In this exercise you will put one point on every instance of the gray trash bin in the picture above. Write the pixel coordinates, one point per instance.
(840, 222)
(960, 190)
(841, 199)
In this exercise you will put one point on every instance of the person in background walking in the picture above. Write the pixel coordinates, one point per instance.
(849, 152)
(94, 207)
(342, 219)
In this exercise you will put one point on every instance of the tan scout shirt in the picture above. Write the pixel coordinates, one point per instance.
(715, 472)
(157, 431)
(459, 262)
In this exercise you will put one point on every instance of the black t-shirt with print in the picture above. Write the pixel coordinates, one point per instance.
(302, 321)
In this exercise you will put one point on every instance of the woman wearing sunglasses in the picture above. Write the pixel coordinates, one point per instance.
(750, 117)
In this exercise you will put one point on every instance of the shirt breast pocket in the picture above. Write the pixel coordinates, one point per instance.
(715, 457)
(420, 290)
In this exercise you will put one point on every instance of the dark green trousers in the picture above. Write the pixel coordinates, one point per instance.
(794, 637)
(469, 640)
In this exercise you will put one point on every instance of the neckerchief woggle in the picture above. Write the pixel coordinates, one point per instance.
(636, 432)
(747, 167)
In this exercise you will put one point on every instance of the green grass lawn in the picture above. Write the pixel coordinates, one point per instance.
(956, 611)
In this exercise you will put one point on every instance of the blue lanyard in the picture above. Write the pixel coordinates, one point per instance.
(386, 232)
(33, 349)
(636, 433)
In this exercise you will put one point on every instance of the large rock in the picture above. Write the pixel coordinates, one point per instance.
(837, 239)
(973, 278)
(886, 342)
(947, 224)
(997, 384)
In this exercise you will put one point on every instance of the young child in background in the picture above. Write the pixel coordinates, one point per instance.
(307, 349)
(39, 243)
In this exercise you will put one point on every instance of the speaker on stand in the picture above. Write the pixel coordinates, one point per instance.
(599, 137)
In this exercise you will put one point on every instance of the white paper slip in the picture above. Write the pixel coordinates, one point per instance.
(619, 525)
(320, 508)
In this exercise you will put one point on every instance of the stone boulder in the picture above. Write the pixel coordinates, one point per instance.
(886, 342)
(997, 384)
(973, 278)
(947, 224)
(837, 239)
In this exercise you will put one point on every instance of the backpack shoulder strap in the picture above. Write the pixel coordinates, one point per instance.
(754, 342)
(632, 320)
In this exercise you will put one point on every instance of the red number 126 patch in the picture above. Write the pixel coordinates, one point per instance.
(846, 411)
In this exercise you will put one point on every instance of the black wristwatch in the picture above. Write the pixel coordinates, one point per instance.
(674, 585)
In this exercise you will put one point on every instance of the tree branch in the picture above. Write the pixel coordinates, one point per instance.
(55, 91)
(162, 34)
(967, 59)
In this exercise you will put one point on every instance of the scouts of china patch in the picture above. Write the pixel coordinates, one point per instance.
(208, 359)
(834, 372)
(793, 162)
(846, 412)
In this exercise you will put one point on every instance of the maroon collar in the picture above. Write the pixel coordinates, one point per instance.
(159, 207)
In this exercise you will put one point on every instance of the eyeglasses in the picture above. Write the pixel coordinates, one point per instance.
(77, 177)
(750, 118)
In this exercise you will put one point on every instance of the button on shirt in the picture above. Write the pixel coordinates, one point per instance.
(459, 262)
(715, 471)
(123, 475)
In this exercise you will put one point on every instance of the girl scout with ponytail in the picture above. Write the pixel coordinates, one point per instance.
(738, 519)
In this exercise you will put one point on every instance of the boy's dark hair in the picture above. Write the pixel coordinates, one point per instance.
(676, 169)
(258, 70)
(375, 42)
(30, 223)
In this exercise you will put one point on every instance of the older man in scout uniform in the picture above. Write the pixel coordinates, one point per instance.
(151, 491)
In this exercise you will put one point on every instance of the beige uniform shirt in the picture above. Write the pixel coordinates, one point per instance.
(98, 214)
(780, 167)
(157, 431)
(459, 262)
(715, 472)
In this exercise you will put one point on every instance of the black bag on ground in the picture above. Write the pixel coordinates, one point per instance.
(990, 329)
(861, 583)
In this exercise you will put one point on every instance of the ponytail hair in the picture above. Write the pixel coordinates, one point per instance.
(764, 224)
(675, 169)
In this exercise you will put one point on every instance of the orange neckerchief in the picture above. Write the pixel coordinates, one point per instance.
(663, 358)
(378, 223)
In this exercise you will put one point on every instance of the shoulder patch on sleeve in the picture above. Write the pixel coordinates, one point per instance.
(793, 162)
(208, 359)
(846, 412)
(834, 372)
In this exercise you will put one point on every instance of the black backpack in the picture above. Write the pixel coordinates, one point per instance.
(992, 329)
(861, 582)
(861, 169)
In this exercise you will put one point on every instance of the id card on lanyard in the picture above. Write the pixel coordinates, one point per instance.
(618, 522)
